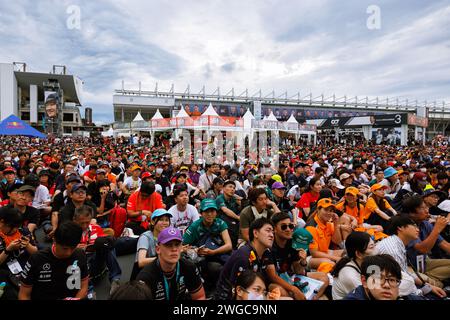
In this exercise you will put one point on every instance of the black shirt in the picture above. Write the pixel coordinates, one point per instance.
(31, 215)
(67, 212)
(283, 258)
(94, 191)
(163, 181)
(53, 278)
(245, 258)
(116, 170)
(293, 180)
(283, 204)
(186, 279)
(59, 201)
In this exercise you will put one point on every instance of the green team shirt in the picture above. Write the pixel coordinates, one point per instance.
(231, 204)
(197, 230)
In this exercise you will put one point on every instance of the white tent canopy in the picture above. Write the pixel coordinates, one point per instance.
(138, 117)
(182, 114)
(109, 133)
(210, 111)
(248, 117)
(271, 117)
(292, 119)
(157, 115)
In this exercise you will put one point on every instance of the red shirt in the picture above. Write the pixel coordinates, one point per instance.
(91, 234)
(90, 175)
(306, 200)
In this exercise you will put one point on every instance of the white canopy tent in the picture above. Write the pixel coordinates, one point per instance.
(182, 114)
(157, 115)
(109, 133)
(271, 117)
(138, 117)
(210, 111)
(292, 119)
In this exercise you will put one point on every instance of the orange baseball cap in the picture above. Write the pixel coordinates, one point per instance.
(325, 203)
(377, 186)
(352, 190)
(135, 167)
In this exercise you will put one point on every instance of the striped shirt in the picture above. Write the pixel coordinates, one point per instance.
(394, 247)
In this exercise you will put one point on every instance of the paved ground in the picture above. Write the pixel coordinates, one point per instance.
(102, 288)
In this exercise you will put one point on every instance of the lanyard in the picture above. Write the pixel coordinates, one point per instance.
(166, 284)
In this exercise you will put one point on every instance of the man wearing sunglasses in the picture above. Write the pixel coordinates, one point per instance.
(286, 257)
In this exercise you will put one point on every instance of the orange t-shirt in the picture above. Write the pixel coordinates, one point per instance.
(321, 233)
(111, 177)
(136, 203)
(352, 211)
(371, 206)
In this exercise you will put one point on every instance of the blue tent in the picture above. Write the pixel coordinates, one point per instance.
(13, 126)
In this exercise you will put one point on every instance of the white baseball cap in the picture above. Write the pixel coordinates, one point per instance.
(445, 206)
(336, 183)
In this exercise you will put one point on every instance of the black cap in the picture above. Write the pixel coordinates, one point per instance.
(298, 165)
(73, 178)
(78, 186)
(53, 97)
(44, 173)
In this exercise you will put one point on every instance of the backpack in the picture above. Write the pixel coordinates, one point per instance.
(117, 220)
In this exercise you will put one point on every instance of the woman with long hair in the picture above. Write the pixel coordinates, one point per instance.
(310, 196)
(347, 272)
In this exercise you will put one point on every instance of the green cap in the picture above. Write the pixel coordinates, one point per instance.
(208, 204)
(301, 239)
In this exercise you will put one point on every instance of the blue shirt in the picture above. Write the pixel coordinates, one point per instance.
(425, 228)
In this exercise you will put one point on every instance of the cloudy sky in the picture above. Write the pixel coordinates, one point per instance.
(316, 46)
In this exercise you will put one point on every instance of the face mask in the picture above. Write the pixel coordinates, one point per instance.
(255, 296)
(159, 171)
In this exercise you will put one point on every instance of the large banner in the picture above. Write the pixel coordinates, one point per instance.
(197, 109)
(391, 136)
(52, 121)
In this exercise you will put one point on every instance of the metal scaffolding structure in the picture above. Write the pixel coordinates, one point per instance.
(436, 110)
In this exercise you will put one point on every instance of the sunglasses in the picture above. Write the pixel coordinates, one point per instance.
(285, 226)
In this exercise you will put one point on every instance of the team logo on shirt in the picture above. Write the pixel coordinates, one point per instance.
(46, 267)
(74, 280)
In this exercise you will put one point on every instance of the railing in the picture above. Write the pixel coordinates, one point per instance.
(388, 104)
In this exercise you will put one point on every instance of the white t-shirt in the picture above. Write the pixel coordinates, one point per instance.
(190, 187)
(246, 186)
(41, 196)
(347, 281)
(294, 191)
(205, 181)
(182, 220)
(131, 184)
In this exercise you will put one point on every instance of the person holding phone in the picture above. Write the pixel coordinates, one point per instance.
(16, 247)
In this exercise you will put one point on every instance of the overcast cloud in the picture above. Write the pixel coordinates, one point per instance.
(314, 46)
